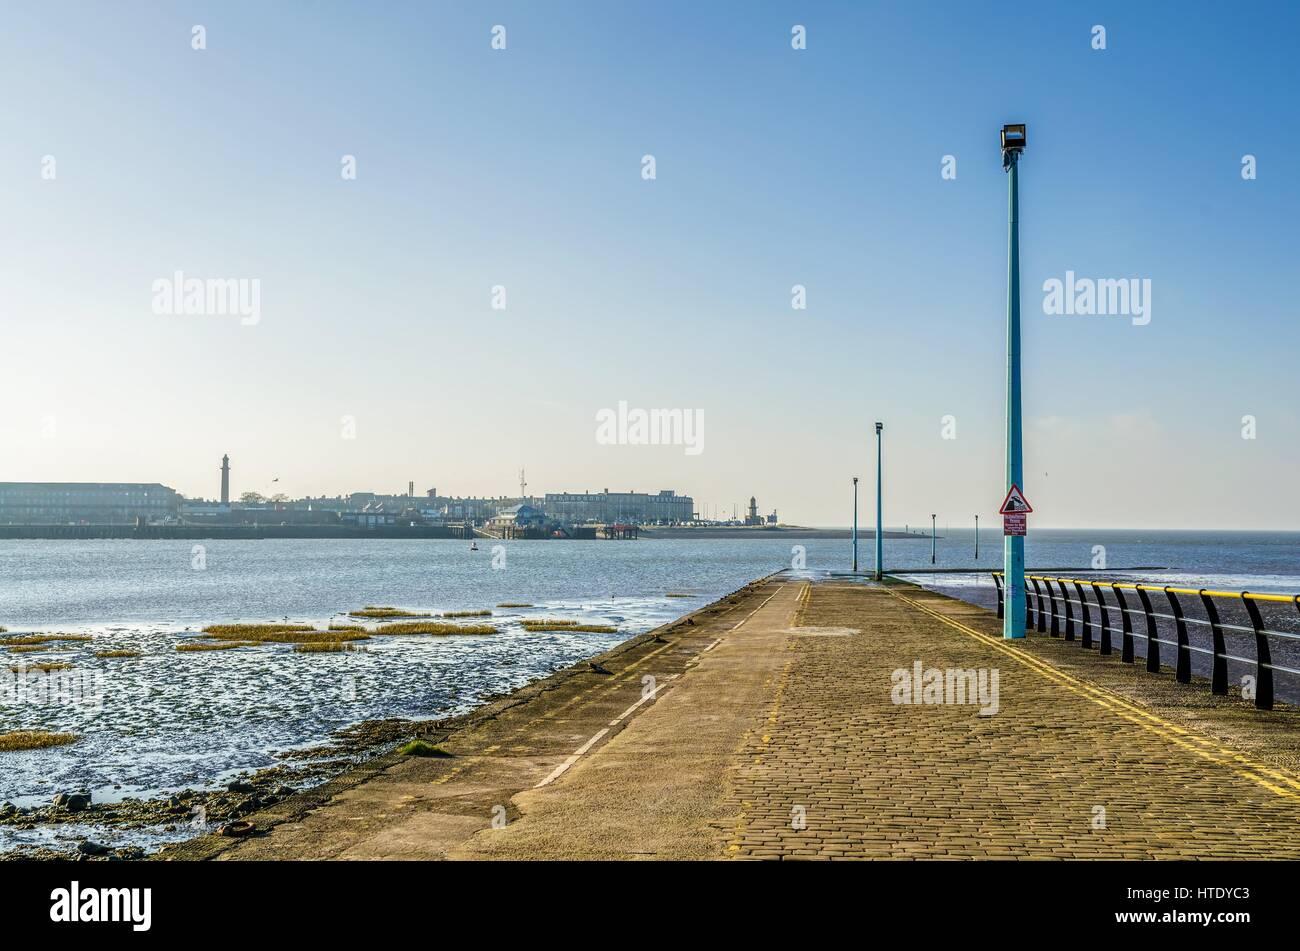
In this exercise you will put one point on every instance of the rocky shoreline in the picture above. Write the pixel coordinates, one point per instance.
(202, 811)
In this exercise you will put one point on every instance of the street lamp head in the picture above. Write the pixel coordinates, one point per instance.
(879, 427)
(1013, 143)
(855, 480)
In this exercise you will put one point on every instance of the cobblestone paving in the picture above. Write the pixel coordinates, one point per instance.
(1063, 769)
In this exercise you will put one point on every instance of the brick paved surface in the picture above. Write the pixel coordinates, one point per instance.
(872, 778)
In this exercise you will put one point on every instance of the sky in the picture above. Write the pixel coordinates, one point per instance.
(376, 355)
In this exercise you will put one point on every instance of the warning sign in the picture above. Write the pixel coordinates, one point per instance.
(1013, 524)
(1015, 503)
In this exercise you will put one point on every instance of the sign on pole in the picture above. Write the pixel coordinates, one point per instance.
(1015, 502)
(1013, 510)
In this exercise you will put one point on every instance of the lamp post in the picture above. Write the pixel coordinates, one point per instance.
(977, 538)
(880, 540)
(932, 539)
(855, 525)
(1013, 554)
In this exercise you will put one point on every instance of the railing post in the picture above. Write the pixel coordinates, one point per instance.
(1029, 609)
(1038, 603)
(1153, 645)
(1219, 678)
(1105, 618)
(1051, 601)
(1087, 617)
(1183, 669)
(1263, 657)
(1126, 624)
(997, 583)
(1069, 612)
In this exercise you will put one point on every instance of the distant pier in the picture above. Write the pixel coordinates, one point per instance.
(155, 532)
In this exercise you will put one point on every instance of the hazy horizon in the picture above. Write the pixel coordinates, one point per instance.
(377, 355)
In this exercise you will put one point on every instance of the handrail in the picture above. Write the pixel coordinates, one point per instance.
(1282, 598)
(1044, 617)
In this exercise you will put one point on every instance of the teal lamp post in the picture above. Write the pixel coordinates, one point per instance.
(880, 538)
(855, 525)
(1013, 617)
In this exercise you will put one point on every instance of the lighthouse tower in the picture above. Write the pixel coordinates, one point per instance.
(225, 482)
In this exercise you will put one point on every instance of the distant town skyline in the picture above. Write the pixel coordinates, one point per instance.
(465, 264)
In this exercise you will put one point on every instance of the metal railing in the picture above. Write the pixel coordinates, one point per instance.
(1050, 608)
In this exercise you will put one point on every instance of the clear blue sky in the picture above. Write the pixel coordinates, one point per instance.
(775, 167)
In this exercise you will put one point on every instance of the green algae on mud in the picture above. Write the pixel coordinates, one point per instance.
(119, 652)
(324, 647)
(17, 740)
(435, 627)
(189, 646)
(23, 640)
(574, 628)
(279, 633)
(483, 613)
(562, 624)
(380, 613)
(43, 666)
(422, 748)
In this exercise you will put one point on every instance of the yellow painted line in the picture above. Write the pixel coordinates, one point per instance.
(801, 604)
(738, 829)
(1282, 783)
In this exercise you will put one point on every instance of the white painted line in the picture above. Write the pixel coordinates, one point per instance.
(563, 767)
(650, 696)
(760, 607)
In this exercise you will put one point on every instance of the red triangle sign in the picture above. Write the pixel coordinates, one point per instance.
(1015, 503)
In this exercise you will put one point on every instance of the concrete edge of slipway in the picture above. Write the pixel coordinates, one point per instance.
(298, 805)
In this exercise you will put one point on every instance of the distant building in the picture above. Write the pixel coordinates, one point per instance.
(518, 516)
(665, 508)
(753, 518)
(89, 503)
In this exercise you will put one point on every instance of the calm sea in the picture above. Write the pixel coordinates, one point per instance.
(168, 720)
